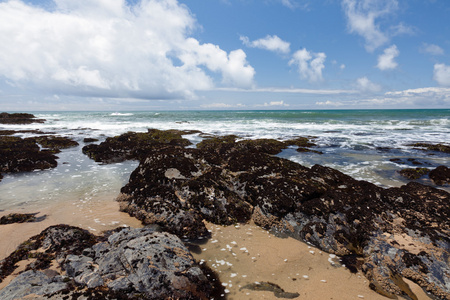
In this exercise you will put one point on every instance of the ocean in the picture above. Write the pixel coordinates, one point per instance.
(360, 143)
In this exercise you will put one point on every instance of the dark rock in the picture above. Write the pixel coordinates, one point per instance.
(389, 233)
(414, 173)
(89, 140)
(271, 287)
(129, 264)
(19, 155)
(20, 218)
(18, 118)
(55, 142)
(432, 147)
(134, 145)
(440, 175)
(11, 132)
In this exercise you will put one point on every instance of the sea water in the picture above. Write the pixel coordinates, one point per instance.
(360, 143)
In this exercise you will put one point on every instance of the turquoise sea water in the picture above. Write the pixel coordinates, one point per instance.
(360, 143)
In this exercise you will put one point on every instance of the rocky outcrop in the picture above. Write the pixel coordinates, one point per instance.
(133, 145)
(18, 118)
(23, 155)
(389, 234)
(68, 262)
(440, 175)
(432, 147)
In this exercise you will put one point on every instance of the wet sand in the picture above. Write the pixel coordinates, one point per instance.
(241, 255)
(246, 254)
(97, 215)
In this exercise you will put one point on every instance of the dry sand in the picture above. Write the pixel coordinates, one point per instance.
(241, 255)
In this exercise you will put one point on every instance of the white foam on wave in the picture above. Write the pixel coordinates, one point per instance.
(121, 114)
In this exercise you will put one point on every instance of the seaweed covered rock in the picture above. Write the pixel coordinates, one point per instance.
(55, 142)
(128, 264)
(134, 145)
(389, 234)
(19, 155)
(432, 147)
(414, 173)
(20, 218)
(18, 118)
(440, 175)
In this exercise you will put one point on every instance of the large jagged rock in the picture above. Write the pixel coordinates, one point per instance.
(23, 155)
(140, 263)
(389, 234)
(18, 118)
(134, 146)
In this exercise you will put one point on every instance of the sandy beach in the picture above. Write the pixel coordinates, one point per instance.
(241, 254)
(96, 216)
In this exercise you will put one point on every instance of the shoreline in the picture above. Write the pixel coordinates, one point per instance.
(240, 254)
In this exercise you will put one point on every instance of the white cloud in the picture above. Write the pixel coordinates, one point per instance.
(310, 65)
(386, 60)
(442, 74)
(276, 103)
(365, 85)
(329, 103)
(109, 48)
(428, 91)
(288, 3)
(270, 42)
(362, 19)
(289, 91)
(431, 49)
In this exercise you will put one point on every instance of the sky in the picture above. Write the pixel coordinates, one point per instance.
(224, 54)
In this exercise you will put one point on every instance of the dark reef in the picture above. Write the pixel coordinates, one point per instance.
(388, 234)
(19, 118)
(392, 233)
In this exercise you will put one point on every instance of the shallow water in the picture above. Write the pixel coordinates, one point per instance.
(358, 143)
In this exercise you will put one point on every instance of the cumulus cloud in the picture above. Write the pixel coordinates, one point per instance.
(362, 17)
(431, 49)
(386, 61)
(365, 85)
(442, 74)
(270, 42)
(113, 49)
(310, 65)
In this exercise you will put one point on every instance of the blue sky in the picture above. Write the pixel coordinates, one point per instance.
(224, 54)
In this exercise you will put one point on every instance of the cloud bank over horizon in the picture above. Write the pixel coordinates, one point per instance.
(112, 48)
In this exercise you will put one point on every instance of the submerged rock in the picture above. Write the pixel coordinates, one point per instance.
(20, 218)
(271, 287)
(129, 264)
(392, 233)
